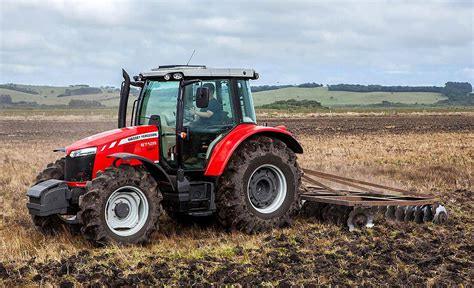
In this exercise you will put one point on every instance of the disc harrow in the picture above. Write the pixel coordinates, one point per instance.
(359, 208)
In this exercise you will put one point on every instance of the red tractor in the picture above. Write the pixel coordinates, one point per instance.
(193, 148)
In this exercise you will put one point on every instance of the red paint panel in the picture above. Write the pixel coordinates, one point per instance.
(226, 147)
(139, 140)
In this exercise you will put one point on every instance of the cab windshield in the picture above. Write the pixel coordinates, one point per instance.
(160, 98)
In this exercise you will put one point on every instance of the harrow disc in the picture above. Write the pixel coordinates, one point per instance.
(312, 209)
(400, 213)
(418, 214)
(360, 218)
(441, 215)
(334, 214)
(390, 213)
(427, 214)
(409, 213)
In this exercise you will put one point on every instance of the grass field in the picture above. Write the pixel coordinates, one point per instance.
(343, 98)
(48, 96)
(420, 153)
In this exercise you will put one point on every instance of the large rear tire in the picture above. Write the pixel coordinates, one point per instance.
(121, 205)
(53, 223)
(259, 189)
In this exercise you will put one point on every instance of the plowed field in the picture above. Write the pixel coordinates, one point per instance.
(425, 154)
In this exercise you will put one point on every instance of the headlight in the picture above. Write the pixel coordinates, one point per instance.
(177, 76)
(83, 152)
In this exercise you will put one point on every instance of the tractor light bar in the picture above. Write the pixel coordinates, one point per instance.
(83, 152)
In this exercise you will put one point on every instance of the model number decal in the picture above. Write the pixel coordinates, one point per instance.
(138, 137)
(145, 144)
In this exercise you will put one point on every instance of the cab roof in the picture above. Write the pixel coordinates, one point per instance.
(200, 71)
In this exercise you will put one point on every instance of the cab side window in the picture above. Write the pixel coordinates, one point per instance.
(246, 102)
(224, 95)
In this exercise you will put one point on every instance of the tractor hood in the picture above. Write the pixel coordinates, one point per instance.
(114, 139)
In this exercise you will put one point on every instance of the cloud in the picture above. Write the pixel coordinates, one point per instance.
(468, 72)
(86, 12)
(21, 68)
(386, 42)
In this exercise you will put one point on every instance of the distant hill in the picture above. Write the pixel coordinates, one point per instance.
(344, 98)
(54, 95)
(109, 96)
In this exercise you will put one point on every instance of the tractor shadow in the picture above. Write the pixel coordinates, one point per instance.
(185, 225)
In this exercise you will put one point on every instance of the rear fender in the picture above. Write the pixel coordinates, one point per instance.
(155, 170)
(224, 150)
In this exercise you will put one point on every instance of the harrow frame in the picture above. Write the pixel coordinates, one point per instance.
(365, 196)
(357, 207)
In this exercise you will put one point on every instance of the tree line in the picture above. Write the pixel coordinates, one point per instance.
(81, 91)
(275, 87)
(15, 87)
(380, 88)
(6, 101)
(454, 91)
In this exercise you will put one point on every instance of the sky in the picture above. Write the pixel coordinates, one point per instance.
(286, 42)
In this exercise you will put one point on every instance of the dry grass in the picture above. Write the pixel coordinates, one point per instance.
(419, 162)
(438, 163)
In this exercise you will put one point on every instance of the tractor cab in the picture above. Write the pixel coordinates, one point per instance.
(193, 106)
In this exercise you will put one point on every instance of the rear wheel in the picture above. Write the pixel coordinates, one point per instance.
(259, 188)
(121, 205)
(54, 223)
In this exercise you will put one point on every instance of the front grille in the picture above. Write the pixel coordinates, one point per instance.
(79, 169)
(35, 200)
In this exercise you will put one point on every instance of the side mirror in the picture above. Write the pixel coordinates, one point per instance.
(202, 97)
(155, 120)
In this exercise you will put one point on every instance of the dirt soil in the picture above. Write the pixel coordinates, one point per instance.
(426, 154)
(318, 125)
(376, 124)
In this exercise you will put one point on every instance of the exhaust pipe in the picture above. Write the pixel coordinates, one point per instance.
(124, 93)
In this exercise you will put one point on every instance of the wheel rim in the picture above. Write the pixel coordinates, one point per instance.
(126, 211)
(267, 189)
(69, 219)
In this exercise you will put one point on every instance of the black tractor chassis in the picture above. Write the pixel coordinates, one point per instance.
(195, 198)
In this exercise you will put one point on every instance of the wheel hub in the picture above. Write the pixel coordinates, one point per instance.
(267, 188)
(263, 188)
(122, 210)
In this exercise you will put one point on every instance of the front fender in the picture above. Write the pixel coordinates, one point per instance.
(155, 170)
(224, 150)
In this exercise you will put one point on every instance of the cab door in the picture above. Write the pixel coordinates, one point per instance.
(205, 126)
(159, 101)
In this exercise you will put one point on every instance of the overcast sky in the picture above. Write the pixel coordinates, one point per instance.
(287, 42)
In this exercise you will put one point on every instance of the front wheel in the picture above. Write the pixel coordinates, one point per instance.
(259, 189)
(121, 205)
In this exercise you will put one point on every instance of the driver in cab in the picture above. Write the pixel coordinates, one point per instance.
(211, 115)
